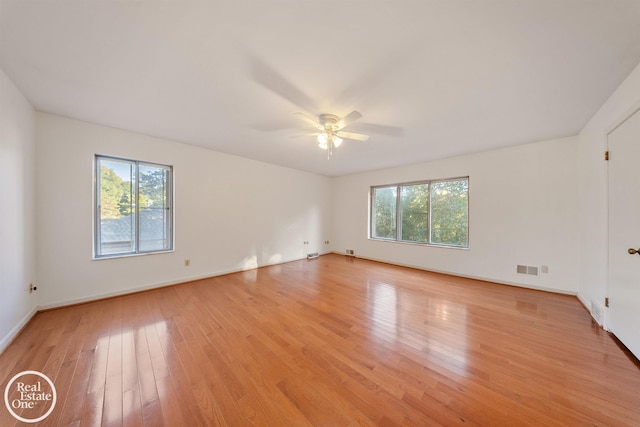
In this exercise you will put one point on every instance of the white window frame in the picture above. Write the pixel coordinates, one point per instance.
(398, 213)
(170, 220)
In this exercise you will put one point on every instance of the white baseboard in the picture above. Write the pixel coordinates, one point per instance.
(6, 340)
(587, 305)
(466, 276)
(583, 301)
(95, 297)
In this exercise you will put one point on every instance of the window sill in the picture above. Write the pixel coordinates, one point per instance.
(129, 255)
(430, 245)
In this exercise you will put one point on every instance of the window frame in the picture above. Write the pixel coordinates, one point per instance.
(371, 210)
(170, 216)
(399, 213)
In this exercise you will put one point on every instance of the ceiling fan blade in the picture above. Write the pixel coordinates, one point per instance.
(349, 118)
(309, 120)
(351, 135)
(377, 129)
(303, 135)
(273, 126)
(269, 78)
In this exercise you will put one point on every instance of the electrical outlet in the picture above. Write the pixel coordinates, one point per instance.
(544, 269)
(187, 262)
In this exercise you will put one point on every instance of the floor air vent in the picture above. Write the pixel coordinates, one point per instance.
(312, 255)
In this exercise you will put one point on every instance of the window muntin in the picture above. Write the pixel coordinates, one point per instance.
(133, 207)
(428, 212)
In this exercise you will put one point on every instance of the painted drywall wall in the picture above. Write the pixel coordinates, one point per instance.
(231, 213)
(522, 211)
(592, 176)
(17, 217)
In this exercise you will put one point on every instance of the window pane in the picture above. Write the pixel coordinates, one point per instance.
(153, 208)
(414, 211)
(450, 212)
(117, 222)
(384, 212)
(133, 207)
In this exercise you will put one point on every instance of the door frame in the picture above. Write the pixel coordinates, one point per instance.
(615, 125)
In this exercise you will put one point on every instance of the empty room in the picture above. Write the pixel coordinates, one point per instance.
(303, 213)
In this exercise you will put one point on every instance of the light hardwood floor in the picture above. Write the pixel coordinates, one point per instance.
(333, 341)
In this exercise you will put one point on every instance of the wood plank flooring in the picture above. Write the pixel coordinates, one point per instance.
(333, 341)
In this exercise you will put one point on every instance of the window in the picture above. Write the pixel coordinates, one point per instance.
(133, 206)
(428, 212)
(384, 206)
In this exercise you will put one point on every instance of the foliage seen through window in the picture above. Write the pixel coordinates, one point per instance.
(431, 212)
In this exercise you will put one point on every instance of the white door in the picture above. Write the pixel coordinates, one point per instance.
(624, 233)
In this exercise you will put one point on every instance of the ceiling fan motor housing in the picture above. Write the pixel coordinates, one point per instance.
(328, 121)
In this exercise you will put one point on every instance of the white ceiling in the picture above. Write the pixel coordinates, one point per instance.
(432, 79)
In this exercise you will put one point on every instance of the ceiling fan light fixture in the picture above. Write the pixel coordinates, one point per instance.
(330, 127)
(323, 138)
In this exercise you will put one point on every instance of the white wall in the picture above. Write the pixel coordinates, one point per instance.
(230, 213)
(17, 218)
(538, 204)
(592, 174)
(522, 211)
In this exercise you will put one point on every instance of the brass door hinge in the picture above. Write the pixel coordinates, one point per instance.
(606, 155)
(606, 302)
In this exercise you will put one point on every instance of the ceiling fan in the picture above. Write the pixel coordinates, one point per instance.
(330, 133)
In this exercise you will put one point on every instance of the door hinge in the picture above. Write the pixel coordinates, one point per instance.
(606, 155)
(606, 302)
